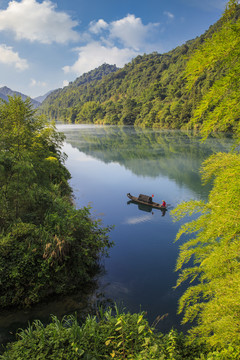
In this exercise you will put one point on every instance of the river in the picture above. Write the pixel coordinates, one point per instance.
(106, 163)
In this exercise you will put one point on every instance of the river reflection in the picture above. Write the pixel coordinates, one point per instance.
(83, 302)
(106, 163)
(146, 152)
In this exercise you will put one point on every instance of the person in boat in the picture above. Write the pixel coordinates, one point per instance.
(163, 203)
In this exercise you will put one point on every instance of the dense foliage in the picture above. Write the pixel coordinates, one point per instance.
(219, 107)
(46, 245)
(209, 259)
(212, 299)
(150, 91)
(106, 336)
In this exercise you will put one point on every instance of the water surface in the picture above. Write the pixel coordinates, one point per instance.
(106, 163)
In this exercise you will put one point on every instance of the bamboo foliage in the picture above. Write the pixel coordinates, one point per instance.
(219, 108)
(215, 250)
(212, 297)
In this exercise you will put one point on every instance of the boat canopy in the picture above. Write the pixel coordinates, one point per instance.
(145, 198)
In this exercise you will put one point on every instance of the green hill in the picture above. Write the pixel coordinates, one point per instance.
(150, 91)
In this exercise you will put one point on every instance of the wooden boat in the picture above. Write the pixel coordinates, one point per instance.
(146, 200)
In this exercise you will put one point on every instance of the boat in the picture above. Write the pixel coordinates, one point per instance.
(146, 200)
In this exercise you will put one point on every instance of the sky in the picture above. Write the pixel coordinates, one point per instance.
(46, 44)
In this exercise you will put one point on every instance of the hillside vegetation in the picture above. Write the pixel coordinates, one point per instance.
(150, 91)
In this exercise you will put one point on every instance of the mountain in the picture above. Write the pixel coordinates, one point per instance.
(5, 91)
(150, 91)
(2, 96)
(88, 79)
(92, 77)
(41, 98)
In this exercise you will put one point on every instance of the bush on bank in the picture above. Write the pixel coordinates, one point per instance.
(47, 246)
(106, 336)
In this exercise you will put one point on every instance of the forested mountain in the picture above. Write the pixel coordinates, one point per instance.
(61, 103)
(148, 91)
(5, 92)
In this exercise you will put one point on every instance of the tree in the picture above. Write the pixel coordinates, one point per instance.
(88, 112)
(46, 245)
(215, 249)
(28, 145)
(219, 109)
(212, 298)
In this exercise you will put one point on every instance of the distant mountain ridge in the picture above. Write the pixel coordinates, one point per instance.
(43, 97)
(2, 96)
(5, 91)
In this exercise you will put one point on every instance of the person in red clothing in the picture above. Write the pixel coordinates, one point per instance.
(163, 203)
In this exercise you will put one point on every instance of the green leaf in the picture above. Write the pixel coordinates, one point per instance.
(141, 328)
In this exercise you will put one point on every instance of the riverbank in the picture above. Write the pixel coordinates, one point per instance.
(109, 335)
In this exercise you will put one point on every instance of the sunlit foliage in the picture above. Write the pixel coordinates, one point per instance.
(46, 245)
(219, 108)
(211, 258)
(110, 335)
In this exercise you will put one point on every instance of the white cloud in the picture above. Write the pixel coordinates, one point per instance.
(95, 54)
(169, 15)
(120, 41)
(138, 219)
(35, 21)
(9, 57)
(65, 83)
(34, 83)
(131, 32)
(97, 26)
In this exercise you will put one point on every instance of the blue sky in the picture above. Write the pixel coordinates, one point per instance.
(46, 44)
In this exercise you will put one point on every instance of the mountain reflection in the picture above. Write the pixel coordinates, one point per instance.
(146, 152)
